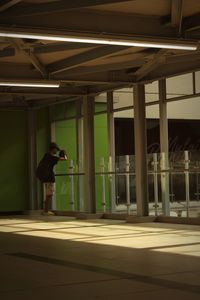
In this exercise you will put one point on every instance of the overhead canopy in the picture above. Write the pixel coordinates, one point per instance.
(81, 68)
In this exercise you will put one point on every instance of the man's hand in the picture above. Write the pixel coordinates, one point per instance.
(63, 155)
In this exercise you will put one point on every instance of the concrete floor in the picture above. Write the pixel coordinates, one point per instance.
(62, 258)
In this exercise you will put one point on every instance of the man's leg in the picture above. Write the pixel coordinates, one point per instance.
(47, 203)
(49, 191)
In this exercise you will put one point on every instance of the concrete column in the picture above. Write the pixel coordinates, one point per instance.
(89, 155)
(141, 151)
(164, 147)
(111, 148)
(32, 160)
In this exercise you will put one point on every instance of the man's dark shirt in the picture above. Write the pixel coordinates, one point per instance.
(48, 162)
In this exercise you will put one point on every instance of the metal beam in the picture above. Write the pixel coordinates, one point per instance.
(6, 4)
(172, 69)
(83, 58)
(176, 14)
(59, 6)
(20, 45)
(7, 52)
(152, 64)
(191, 23)
(112, 24)
(58, 47)
(83, 70)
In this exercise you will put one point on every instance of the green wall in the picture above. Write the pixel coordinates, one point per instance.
(14, 184)
(66, 138)
(13, 161)
(42, 143)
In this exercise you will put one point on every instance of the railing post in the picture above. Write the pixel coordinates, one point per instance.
(128, 200)
(72, 200)
(187, 182)
(155, 176)
(103, 199)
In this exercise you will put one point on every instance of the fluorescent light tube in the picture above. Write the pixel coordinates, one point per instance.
(102, 41)
(27, 84)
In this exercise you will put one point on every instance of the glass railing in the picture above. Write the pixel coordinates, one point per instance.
(173, 183)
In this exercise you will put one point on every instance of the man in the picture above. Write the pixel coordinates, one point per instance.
(45, 173)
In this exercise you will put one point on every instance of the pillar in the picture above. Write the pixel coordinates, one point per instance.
(79, 153)
(89, 155)
(32, 160)
(164, 147)
(140, 151)
(111, 149)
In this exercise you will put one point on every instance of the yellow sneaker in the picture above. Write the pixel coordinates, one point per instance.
(50, 213)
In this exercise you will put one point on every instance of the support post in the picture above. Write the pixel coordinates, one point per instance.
(32, 160)
(111, 149)
(164, 147)
(79, 153)
(141, 151)
(89, 156)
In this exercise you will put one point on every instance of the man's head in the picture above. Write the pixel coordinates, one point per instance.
(53, 148)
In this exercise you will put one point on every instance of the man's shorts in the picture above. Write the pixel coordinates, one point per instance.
(49, 188)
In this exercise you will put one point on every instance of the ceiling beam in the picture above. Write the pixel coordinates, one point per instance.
(152, 64)
(55, 7)
(20, 46)
(112, 24)
(6, 4)
(83, 58)
(191, 23)
(58, 47)
(172, 69)
(25, 72)
(69, 90)
(83, 70)
(7, 52)
(176, 14)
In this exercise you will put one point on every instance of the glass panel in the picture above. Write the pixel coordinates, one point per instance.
(197, 81)
(65, 132)
(179, 86)
(151, 92)
(154, 183)
(101, 103)
(123, 98)
(67, 193)
(125, 184)
(101, 161)
(194, 179)
(152, 112)
(184, 109)
(178, 205)
(129, 113)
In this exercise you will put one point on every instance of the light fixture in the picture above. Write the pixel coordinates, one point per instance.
(170, 44)
(29, 84)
